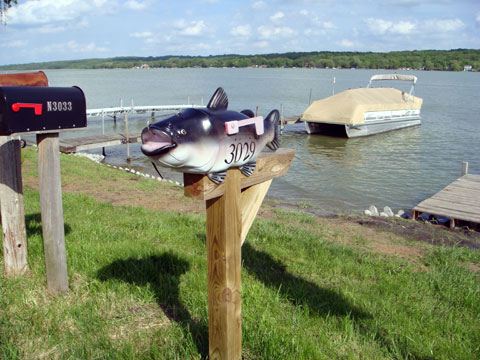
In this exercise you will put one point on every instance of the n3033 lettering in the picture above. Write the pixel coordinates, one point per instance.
(59, 106)
(240, 152)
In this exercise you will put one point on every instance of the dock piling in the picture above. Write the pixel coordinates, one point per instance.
(127, 137)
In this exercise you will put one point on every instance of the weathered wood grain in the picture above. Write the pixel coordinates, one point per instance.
(52, 212)
(12, 209)
(252, 198)
(24, 79)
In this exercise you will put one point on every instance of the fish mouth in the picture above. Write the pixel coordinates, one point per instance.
(156, 142)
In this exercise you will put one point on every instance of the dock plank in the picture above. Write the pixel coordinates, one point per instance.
(95, 142)
(460, 200)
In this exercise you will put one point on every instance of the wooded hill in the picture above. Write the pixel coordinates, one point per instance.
(446, 60)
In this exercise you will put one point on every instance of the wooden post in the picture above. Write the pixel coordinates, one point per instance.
(11, 190)
(12, 210)
(452, 223)
(464, 168)
(224, 271)
(231, 210)
(52, 212)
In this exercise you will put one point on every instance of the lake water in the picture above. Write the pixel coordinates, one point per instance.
(397, 169)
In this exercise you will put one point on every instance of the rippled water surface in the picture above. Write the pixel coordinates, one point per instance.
(398, 169)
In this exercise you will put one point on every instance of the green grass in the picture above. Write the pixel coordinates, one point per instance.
(138, 291)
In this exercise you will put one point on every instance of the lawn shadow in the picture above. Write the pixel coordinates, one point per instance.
(162, 274)
(33, 225)
(299, 291)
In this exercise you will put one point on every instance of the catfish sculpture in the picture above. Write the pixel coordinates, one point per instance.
(211, 140)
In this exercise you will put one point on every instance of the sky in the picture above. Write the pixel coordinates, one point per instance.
(49, 30)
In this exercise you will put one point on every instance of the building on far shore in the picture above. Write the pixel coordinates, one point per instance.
(467, 68)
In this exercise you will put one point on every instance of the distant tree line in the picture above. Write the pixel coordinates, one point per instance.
(446, 60)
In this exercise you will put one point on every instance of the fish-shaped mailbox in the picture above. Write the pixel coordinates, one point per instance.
(211, 140)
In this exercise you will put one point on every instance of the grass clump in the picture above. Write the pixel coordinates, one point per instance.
(138, 287)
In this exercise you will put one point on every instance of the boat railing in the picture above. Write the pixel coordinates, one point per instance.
(401, 77)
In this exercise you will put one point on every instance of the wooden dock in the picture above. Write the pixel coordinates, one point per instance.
(96, 142)
(102, 141)
(458, 201)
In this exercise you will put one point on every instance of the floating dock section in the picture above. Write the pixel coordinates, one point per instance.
(458, 201)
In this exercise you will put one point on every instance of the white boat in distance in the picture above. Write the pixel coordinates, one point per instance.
(365, 111)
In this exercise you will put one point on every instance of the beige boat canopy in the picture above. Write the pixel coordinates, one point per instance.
(348, 107)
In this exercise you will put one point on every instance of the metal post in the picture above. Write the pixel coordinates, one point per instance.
(103, 122)
(127, 137)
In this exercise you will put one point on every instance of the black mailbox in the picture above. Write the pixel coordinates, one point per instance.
(41, 109)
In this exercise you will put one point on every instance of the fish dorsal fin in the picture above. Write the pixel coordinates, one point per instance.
(219, 100)
(248, 113)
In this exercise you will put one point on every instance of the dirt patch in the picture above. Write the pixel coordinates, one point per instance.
(118, 191)
(375, 239)
(420, 231)
(473, 267)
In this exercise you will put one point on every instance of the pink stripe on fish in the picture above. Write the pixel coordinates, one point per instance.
(232, 127)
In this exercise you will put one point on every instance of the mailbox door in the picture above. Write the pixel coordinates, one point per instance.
(41, 109)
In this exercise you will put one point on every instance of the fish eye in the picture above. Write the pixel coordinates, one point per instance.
(182, 132)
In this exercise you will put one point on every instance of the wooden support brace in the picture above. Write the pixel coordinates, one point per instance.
(12, 209)
(252, 199)
(52, 212)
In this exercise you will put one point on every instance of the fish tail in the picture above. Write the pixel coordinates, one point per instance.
(274, 118)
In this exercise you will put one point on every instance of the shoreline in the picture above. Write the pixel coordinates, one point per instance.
(372, 212)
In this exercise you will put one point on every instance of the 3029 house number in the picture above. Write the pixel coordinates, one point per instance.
(240, 152)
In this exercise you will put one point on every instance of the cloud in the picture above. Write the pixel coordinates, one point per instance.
(277, 16)
(259, 5)
(144, 34)
(477, 18)
(261, 44)
(71, 46)
(14, 44)
(429, 26)
(381, 27)
(272, 32)
(445, 25)
(242, 30)
(193, 28)
(34, 13)
(403, 27)
(135, 5)
(347, 43)
(378, 26)
(316, 25)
